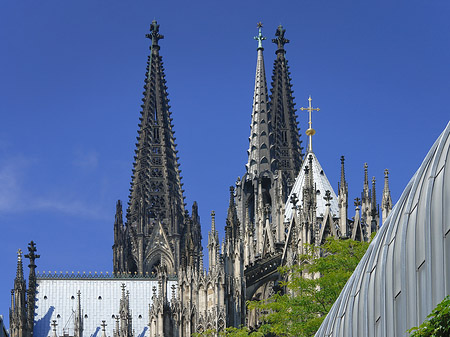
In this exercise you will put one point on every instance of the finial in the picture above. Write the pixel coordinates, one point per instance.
(294, 199)
(19, 273)
(357, 203)
(366, 178)
(213, 221)
(31, 254)
(374, 198)
(328, 197)
(259, 38)
(280, 41)
(123, 286)
(154, 33)
(310, 132)
(231, 195)
(386, 182)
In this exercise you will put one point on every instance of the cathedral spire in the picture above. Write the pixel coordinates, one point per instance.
(386, 202)
(287, 149)
(156, 202)
(259, 152)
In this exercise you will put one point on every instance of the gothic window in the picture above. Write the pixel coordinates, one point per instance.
(157, 161)
(284, 136)
(156, 150)
(156, 172)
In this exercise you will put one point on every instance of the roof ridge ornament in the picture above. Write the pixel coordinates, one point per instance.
(310, 132)
(260, 38)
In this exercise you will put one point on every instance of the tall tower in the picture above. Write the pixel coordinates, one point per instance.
(156, 220)
(274, 156)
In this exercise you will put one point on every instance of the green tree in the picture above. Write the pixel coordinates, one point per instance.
(308, 297)
(437, 323)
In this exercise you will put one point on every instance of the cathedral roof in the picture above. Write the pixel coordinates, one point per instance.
(100, 300)
(322, 185)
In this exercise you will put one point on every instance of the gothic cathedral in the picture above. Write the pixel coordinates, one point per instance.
(159, 286)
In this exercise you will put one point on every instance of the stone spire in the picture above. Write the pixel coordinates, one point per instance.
(119, 239)
(18, 311)
(126, 327)
(287, 146)
(104, 325)
(374, 213)
(260, 147)
(213, 243)
(343, 200)
(232, 228)
(54, 325)
(386, 202)
(365, 198)
(78, 324)
(31, 298)
(156, 203)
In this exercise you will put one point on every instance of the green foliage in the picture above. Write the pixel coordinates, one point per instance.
(302, 309)
(437, 323)
(309, 297)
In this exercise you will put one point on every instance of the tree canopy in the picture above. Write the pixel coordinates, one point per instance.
(311, 287)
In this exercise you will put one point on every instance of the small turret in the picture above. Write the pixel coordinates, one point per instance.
(18, 312)
(213, 243)
(232, 228)
(374, 213)
(31, 298)
(343, 200)
(365, 196)
(126, 327)
(386, 202)
(78, 322)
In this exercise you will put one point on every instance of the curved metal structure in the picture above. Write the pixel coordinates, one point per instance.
(405, 272)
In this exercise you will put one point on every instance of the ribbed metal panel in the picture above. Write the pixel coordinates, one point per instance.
(405, 272)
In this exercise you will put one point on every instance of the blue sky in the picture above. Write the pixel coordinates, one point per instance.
(71, 82)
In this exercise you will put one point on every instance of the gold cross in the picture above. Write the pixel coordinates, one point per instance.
(310, 132)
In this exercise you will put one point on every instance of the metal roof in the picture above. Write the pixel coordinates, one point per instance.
(322, 185)
(56, 299)
(405, 272)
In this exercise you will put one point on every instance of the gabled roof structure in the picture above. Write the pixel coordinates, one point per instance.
(405, 272)
(322, 185)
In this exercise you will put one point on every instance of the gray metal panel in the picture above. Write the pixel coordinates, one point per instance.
(406, 270)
